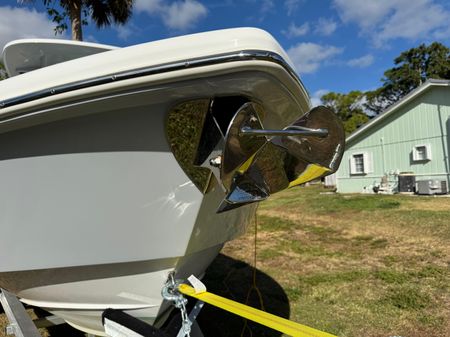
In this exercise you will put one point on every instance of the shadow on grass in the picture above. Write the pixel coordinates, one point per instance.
(233, 279)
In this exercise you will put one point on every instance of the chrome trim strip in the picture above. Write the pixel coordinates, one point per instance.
(245, 55)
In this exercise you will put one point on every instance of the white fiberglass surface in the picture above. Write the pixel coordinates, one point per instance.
(93, 208)
(124, 292)
(90, 321)
(86, 208)
(26, 55)
(140, 56)
(81, 303)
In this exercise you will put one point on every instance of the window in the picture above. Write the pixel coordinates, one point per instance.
(421, 152)
(361, 163)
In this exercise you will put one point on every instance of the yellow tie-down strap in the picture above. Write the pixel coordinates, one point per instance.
(277, 323)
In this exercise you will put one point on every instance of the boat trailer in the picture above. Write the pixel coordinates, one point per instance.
(117, 323)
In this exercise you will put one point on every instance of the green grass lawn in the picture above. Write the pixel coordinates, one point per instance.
(351, 265)
(357, 265)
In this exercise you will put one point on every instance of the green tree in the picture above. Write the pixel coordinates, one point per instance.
(348, 107)
(412, 68)
(102, 12)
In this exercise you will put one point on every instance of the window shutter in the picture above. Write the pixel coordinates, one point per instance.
(352, 165)
(428, 147)
(368, 162)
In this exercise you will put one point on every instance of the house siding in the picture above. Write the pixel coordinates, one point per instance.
(424, 120)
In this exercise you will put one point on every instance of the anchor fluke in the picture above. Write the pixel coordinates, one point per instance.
(258, 162)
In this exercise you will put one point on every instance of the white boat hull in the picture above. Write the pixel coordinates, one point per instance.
(122, 220)
(95, 210)
(137, 290)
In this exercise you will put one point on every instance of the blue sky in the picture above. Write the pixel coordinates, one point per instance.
(336, 45)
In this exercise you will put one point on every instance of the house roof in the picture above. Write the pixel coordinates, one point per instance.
(394, 107)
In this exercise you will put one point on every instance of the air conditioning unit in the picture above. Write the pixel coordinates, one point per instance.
(431, 187)
(406, 182)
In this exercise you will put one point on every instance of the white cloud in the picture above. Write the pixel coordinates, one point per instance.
(178, 15)
(90, 38)
(292, 6)
(325, 26)
(361, 62)
(317, 95)
(183, 15)
(149, 6)
(365, 13)
(296, 31)
(124, 32)
(415, 19)
(22, 23)
(266, 6)
(307, 56)
(384, 20)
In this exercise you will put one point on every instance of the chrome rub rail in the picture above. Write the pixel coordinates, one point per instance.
(245, 55)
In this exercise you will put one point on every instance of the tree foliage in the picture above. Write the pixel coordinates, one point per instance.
(3, 74)
(101, 12)
(348, 107)
(412, 68)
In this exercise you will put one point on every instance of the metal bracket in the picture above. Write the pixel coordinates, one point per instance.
(195, 329)
(20, 323)
(120, 324)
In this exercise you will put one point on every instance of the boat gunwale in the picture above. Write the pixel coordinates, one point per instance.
(243, 55)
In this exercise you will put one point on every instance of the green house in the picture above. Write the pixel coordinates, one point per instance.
(412, 135)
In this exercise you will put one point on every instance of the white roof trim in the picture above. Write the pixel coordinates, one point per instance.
(389, 111)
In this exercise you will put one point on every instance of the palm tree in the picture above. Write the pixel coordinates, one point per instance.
(102, 12)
